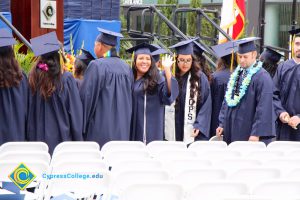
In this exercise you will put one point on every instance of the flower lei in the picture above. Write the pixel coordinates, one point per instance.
(231, 102)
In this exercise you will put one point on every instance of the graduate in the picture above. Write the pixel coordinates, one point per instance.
(247, 113)
(106, 93)
(55, 109)
(287, 94)
(80, 65)
(13, 92)
(270, 59)
(198, 50)
(151, 92)
(226, 61)
(156, 56)
(193, 104)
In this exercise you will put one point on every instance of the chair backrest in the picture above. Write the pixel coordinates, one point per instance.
(125, 178)
(241, 145)
(264, 155)
(122, 145)
(23, 146)
(215, 155)
(284, 145)
(284, 165)
(278, 189)
(207, 145)
(79, 166)
(191, 178)
(76, 145)
(176, 154)
(76, 155)
(156, 147)
(178, 165)
(135, 164)
(217, 189)
(23, 156)
(150, 191)
(293, 174)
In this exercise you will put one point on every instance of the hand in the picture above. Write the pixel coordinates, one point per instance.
(167, 62)
(195, 132)
(254, 138)
(219, 131)
(284, 117)
(294, 121)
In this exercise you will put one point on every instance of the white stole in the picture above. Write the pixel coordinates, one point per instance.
(189, 116)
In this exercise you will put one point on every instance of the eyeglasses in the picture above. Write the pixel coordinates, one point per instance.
(184, 61)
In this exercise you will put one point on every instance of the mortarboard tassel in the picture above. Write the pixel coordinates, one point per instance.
(174, 64)
(231, 61)
(292, 46)
(132, 58)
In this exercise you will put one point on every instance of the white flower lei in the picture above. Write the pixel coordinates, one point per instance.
(231, 102)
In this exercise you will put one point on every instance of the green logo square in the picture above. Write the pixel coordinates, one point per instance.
(22, 176)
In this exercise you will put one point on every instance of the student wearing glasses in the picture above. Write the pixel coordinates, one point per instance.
(193, 104)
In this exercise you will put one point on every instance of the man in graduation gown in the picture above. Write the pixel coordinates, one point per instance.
(287, 95)
(106, 93)
(247, 113)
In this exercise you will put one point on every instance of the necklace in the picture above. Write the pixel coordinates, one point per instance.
(233, 98)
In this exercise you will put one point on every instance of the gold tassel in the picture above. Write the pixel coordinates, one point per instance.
(231, 61)
(292, 46)
(174, 64)
(132, 59)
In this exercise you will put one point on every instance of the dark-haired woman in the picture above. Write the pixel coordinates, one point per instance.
(55, 110)
(193, 104)
(81, 63)
(151, 92)
(13, 92)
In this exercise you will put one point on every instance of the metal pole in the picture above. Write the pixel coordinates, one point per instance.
(262, 24)
(294, 11)
(20, 36)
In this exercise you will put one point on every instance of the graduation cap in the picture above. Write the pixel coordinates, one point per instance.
(184, 47)
(155, 54)
(246, 45)
(198, 48)
(224, 49)
(6, 38)
(45, 44)
(143, 48)
(294, 31)
(108, 37)
(271, 55)
(86, 57)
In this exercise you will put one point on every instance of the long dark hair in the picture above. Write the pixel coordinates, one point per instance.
(46, 82)
(80, 68)
(195, 80)
(10, 72)
(269, 66)
(225, 62)
(151, 76)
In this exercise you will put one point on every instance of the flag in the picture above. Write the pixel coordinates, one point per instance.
(232, 19)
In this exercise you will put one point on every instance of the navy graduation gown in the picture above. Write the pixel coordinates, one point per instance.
(254, 115)
(107, 100)
(218, 90)
(155, 109)
(286, 98)
(57, 119)
(203, 110)
(13, 112)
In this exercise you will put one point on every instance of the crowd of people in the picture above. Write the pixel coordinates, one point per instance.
(247, 98)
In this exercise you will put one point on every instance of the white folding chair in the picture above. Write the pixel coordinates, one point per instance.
(215, 155)
(76, 145)
(124, 178)
(251, 176)
(136, 164)
(122, 145)
(217, 190)
(284, 145)
(155, 147)
(246, 146)
(178, 165)
(176, 154)
(23, 146)
(191, 178)
(293, 174)
(284, 165)
(150, 191)
(231, 165)
(293, 154)
(278, 189)
(79, 166)
(207, 145)
(116, 156)
(264, 155)
(23, 156)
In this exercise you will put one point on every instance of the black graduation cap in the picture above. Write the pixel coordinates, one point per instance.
(45, 44)
(271, 55)
(108, 37)
(143, 48)
(6, 38)
(85, 57)
(155, 54)
(225, 49)
(198, 48)
(246, 45)
(184, 47)
(294, 31)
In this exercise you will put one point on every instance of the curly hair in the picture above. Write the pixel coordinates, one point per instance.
(195, 81)
(225, 62)
(200, 59)
(46, 82)
(151, 76)
(10, 71)
(80, 68)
